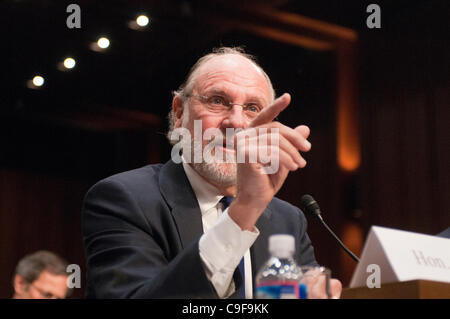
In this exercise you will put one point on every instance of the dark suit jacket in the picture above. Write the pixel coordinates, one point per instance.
(141, 231)
(444, 233)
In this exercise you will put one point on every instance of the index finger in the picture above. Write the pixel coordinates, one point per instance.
(269, 113)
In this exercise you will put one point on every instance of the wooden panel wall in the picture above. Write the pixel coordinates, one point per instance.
(405, 109)
(38, 212)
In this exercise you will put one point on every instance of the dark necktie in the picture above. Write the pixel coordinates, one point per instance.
(241, 292)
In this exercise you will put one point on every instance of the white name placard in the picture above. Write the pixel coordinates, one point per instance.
(401, 256)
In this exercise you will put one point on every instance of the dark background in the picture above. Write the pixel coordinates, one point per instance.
(389, 88)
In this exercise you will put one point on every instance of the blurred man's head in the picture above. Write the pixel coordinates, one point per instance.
(41, 275)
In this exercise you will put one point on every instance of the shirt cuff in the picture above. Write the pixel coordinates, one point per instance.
(221, 249)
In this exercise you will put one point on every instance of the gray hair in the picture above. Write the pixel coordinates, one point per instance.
(31, 266)
(186, 88)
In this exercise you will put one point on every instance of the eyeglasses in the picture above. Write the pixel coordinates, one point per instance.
(220, 104)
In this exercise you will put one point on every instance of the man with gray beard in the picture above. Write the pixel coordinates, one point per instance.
(197, 228)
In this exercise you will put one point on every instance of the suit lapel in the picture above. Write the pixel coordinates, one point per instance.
(180, 197)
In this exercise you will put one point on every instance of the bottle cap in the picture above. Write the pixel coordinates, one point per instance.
(282, 246)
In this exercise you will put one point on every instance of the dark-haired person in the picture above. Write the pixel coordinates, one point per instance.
(166, 230)
(41, 275)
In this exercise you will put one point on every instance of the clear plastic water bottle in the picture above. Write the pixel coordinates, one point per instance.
(279, 277)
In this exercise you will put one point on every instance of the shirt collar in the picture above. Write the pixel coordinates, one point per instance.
(208, 196)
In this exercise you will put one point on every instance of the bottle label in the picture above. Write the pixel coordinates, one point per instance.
(303, 290)
(278, 289)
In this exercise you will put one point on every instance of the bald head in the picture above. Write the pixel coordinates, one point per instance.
(228, 59)
(224, 59)
(233, 73)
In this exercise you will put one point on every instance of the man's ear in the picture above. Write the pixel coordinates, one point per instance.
(20, 284)
(177, 107)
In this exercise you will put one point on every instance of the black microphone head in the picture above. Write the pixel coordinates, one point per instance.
(309, 205)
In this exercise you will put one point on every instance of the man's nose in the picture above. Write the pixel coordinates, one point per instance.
(235, 118)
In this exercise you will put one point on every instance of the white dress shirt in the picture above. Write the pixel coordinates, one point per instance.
(223, 243)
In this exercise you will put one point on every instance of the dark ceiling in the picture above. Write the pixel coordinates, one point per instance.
(140, 68)
(53, 126)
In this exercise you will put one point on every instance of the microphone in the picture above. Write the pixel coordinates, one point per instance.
(310, 205)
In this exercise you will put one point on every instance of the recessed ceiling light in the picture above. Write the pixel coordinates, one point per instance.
(38, 80)
(69, 63)
(103, 42)
(142, 20)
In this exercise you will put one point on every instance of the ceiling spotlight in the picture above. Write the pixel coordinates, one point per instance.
(69, 63)
(35, 83)
(38, 80)
(142, 20)
(139, 23)
(103, 42)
